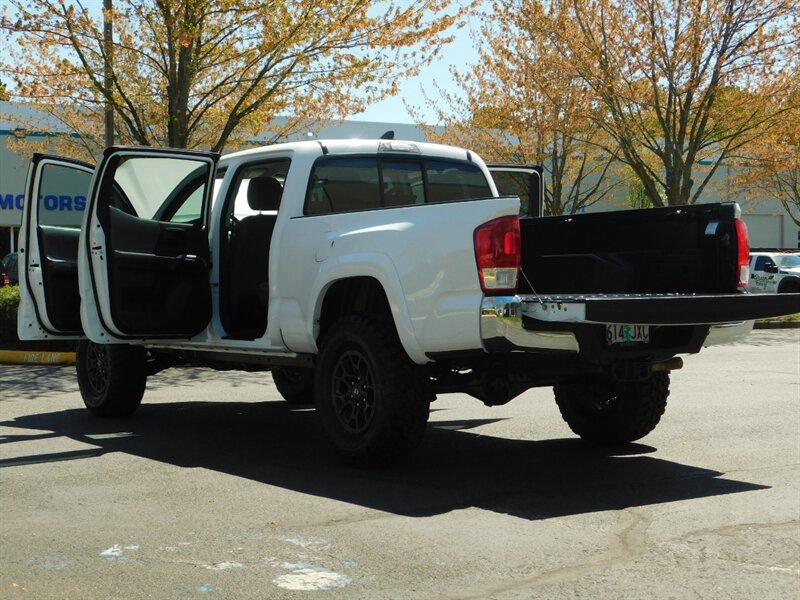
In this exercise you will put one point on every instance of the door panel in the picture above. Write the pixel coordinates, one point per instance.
(55, 201)
(149, 251)
(59, 253)
(524, 181)
(158, 275)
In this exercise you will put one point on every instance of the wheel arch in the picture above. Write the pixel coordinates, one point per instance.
(370, 295)
(788, 284)
(352, 295)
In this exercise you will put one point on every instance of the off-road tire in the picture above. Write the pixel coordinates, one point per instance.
(295, 385)
(604, 411)
(372, 401)
(111, 377)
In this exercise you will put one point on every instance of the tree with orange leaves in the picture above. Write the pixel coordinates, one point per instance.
(520, 103)
(769, 167)
(680, 83)
(213, 73)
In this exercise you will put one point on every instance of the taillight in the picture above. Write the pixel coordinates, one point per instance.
(497, 254)
(6, 280)
(743, 245)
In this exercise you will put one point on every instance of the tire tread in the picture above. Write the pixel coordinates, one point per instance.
(127, 369)
(641, 406)
(405, 402)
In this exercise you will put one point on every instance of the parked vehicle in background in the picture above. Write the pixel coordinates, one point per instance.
(9, 268)
(774, 271)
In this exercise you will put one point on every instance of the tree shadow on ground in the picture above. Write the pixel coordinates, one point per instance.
(456, 467)
(35, 381)
(46, 381)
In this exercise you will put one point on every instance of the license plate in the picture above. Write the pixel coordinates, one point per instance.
(618, 333)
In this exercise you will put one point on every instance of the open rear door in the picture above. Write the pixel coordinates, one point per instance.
(145, 260)
(525, 181)
(55, 203)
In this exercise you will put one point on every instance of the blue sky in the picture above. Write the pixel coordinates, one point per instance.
(393, 110)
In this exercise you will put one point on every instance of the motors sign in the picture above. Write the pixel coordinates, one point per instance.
(11, 206)
(11, 209)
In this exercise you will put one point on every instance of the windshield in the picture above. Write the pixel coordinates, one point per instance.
(790, 262)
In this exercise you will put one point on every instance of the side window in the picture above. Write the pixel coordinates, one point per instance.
(451, 181)
(511, 183)
(245, 202)
(351, 184)
(190, 210)
(403, 183)
(792, 261)
(160, 188)
(62, 196)
(761, 262)
(525, 184)
(344, 184)
(186, 205)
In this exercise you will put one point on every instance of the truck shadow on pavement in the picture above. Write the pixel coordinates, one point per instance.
(456, 468)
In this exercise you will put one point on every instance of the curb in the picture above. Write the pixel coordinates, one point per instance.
(36, 357)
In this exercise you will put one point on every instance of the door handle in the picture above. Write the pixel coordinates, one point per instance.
(192, 258)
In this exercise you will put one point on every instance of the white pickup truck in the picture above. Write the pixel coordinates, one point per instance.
(369, 276)
(774, 271)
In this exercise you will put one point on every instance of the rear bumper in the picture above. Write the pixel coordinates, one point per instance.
(576, 324)
(502, 329)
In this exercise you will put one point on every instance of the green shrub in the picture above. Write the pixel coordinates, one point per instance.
(9, 301)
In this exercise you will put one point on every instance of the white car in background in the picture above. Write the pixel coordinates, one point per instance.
(774, 271)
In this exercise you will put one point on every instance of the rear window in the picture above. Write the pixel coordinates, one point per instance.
(345, 184)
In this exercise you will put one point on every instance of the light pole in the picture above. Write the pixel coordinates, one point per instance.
(108, 49)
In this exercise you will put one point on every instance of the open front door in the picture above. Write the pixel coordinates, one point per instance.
(525, 181)
(145, 261)
(55, 203)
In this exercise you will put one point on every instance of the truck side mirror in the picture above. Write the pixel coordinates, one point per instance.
(770, 268)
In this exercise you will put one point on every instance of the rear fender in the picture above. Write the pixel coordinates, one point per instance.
(373, 265)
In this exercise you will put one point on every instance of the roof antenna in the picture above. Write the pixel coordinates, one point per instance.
(389, 135)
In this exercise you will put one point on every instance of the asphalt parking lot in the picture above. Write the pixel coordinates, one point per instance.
(217, 489)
